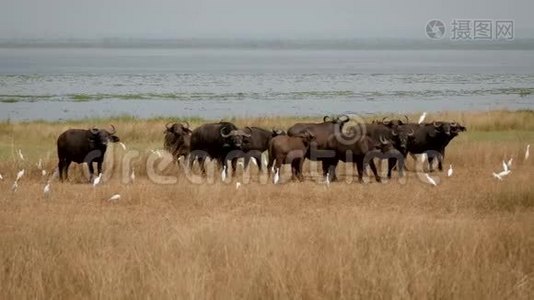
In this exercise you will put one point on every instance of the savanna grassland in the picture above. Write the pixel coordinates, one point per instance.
(470, 237)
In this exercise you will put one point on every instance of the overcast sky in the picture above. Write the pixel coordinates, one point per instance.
(58, 19)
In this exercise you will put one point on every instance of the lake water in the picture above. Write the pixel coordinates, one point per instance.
(72, 83)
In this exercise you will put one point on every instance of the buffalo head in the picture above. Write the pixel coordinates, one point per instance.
(175, 134)
(402, 135)
(234, 137)
(101, 137)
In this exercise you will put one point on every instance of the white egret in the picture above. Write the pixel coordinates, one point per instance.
(40, 164)
(237, 185)
(327, 179)
(430, 180)
(19, 175)
(449, 171)
(422, 118)
(15, 186)
(43, 173)
(509, 163)
(527, 152)
(1, 177)
(46, 189)
(501, 174)
(223, 173)
(97, 180)
(114, 198)
(132, 175)
(20, 154)
(504, 166)
(276, 177)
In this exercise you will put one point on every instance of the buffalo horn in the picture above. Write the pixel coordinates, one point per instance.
(412, 132)
(344, 118)
(113, 130)
(325, 118)
(225, 135)
(383, 141)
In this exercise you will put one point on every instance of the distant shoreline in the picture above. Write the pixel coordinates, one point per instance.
(313, 44)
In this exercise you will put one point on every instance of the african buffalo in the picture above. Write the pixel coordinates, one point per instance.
(397, 132)
(177, 139)
(432, 138)
(83, 146)
(284, 149)
(255, 144)
(215, 140)
(361, 149)
(321, 132)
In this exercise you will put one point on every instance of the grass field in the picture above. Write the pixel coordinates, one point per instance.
(469, 237)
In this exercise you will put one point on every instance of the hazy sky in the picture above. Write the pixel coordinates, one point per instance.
(247, 18)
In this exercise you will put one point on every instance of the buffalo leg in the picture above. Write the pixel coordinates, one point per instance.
(375, 171)
(294, 168)
(391, 164)
(359, 169)
(234, 164)
(63, 168)
(99, 166)
(329, 169)
(91, 170)
(257, 157)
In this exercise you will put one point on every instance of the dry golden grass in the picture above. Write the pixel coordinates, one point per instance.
(469, 237)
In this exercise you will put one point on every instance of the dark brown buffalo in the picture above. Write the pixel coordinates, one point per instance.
(215, 140)
(321, 132)
(284, 149)
(177, 139)
(255, 144)
(83, 146)
(361, 149)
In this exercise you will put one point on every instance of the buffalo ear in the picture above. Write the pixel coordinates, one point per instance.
(114, 139)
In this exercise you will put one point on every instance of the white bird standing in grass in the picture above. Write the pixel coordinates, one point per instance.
(430, 180)
(19, 175)
(46, 190)
(40, 164)
(509, 163)
(114, 198)
(237, 185)
(449, 171)
(276, 177)
(43, 173)
(20, 154)
(422, 118)
(223, 173)
(327, 181)
(15, 186)
(97, 180)
(527, 152)
(132, 175)
(122, 145)
(504, 166)
(1, 177)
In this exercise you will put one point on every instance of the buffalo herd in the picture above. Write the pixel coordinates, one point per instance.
(328, 142)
